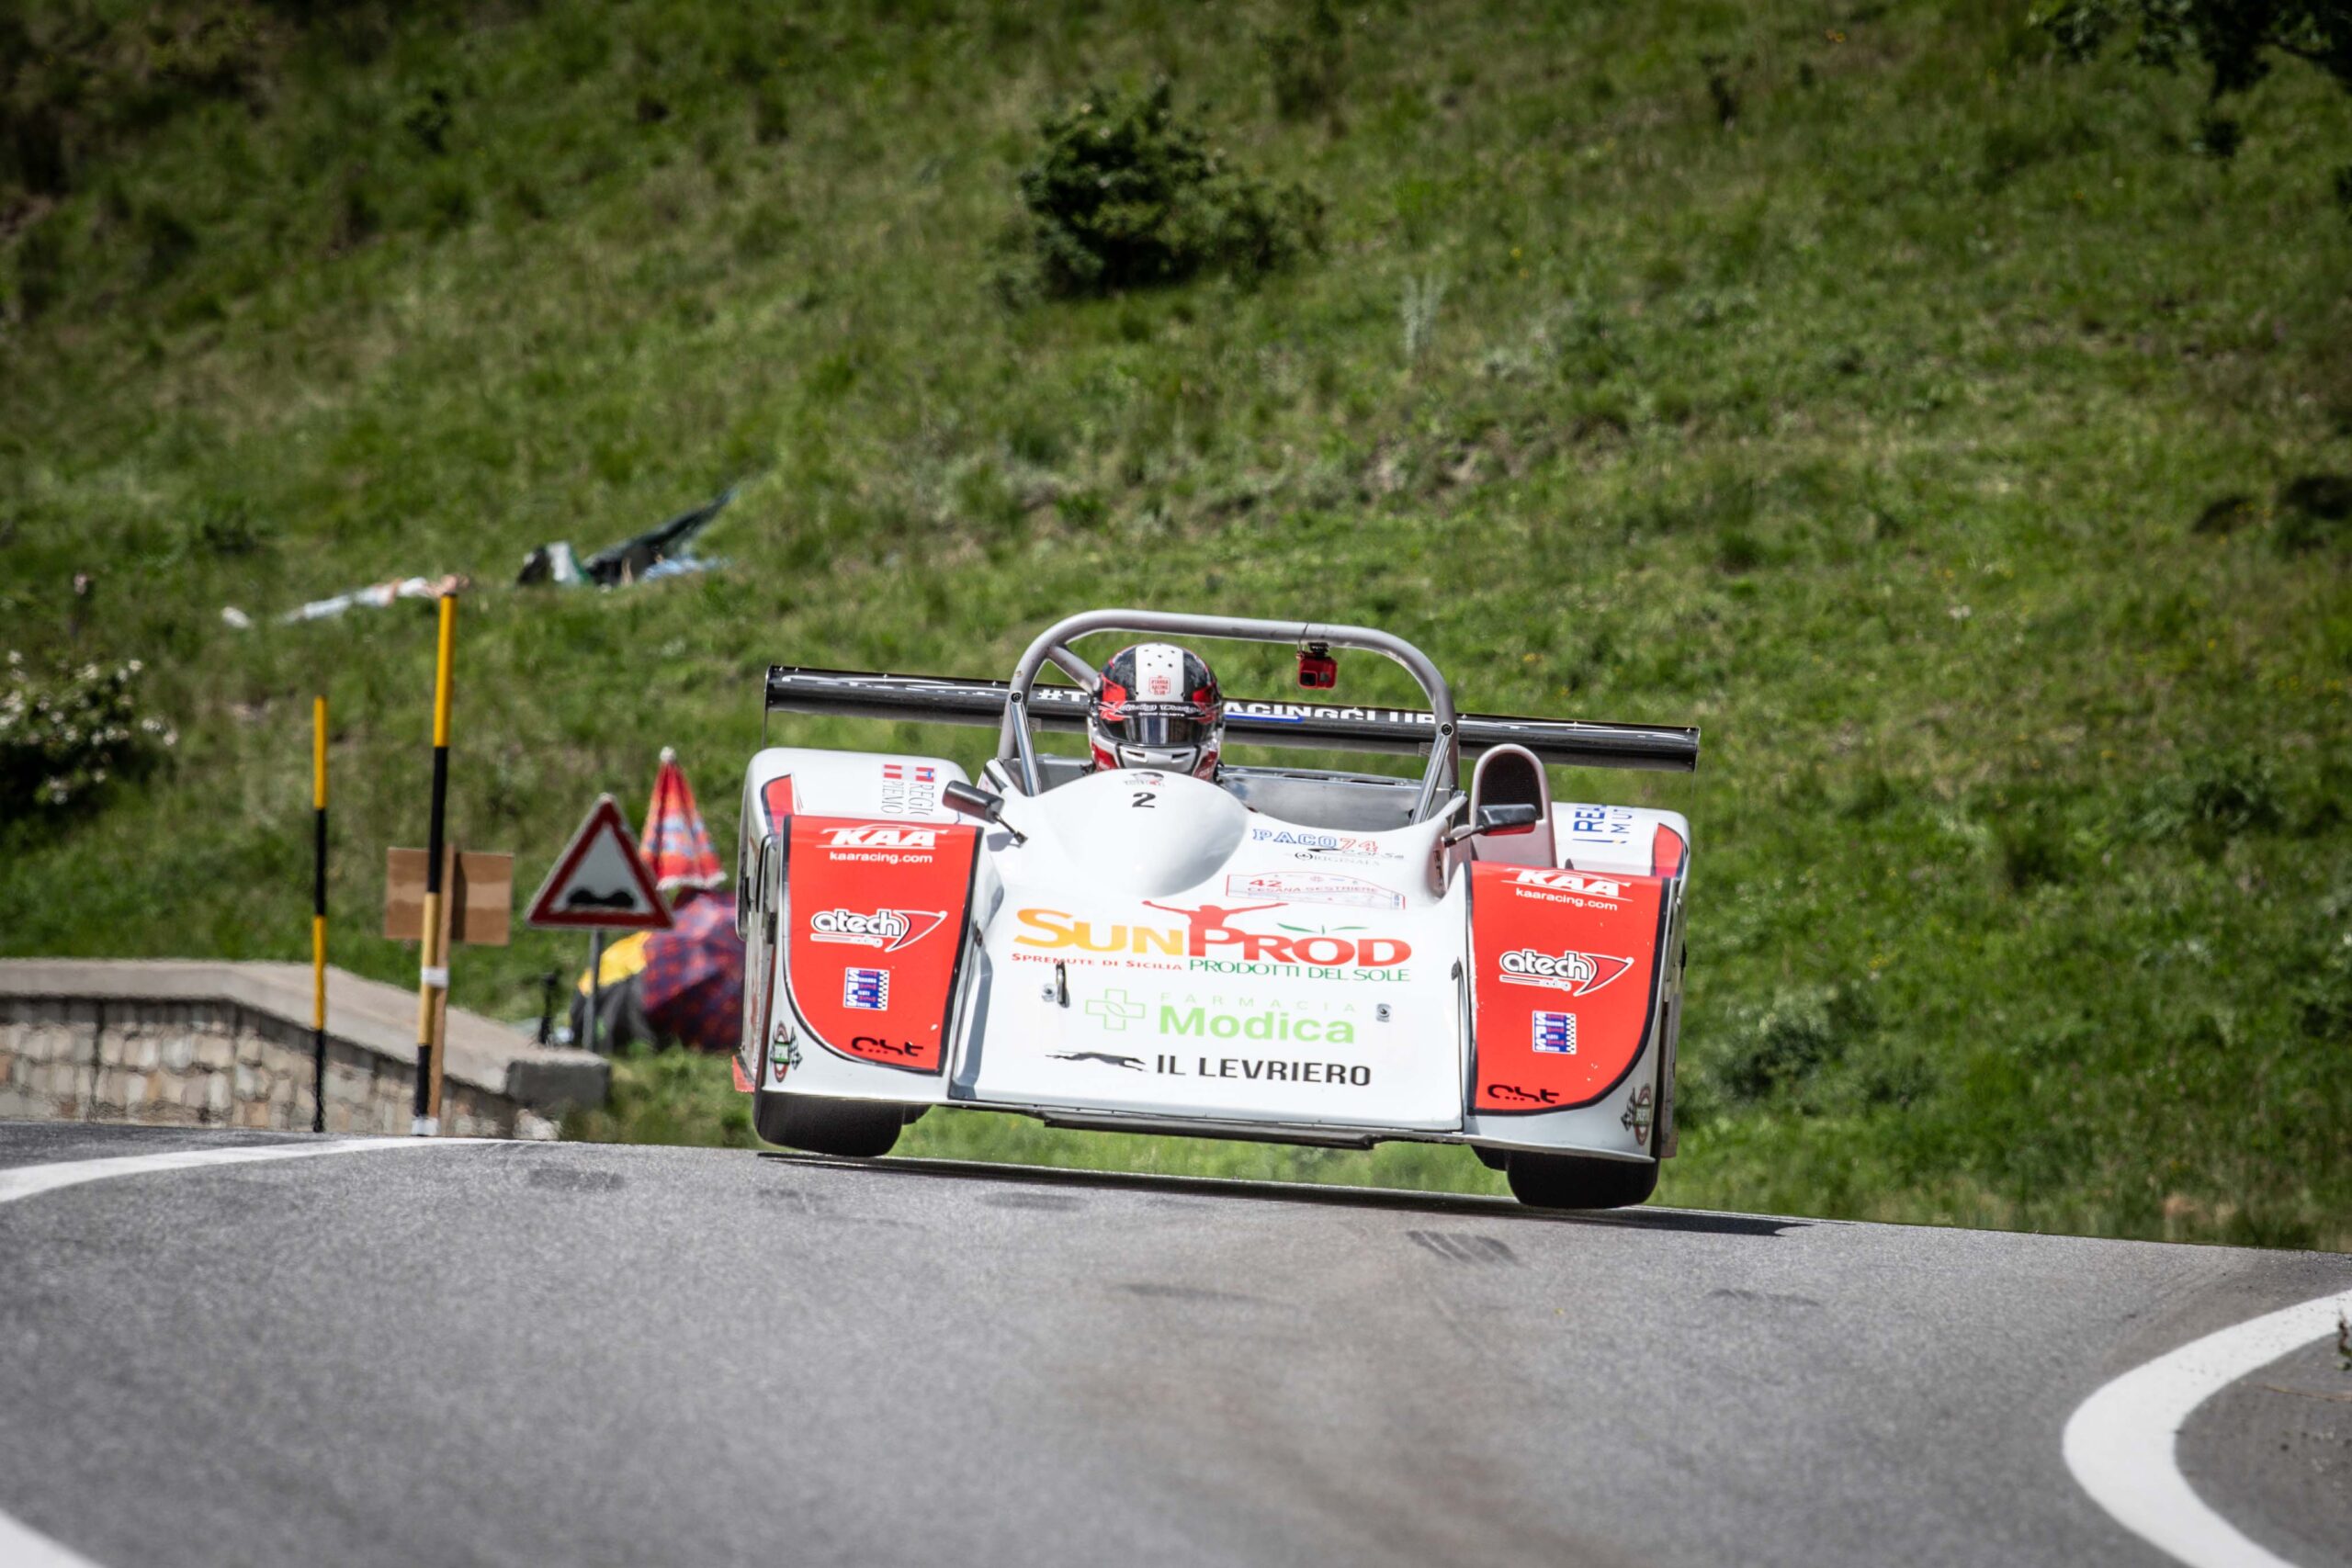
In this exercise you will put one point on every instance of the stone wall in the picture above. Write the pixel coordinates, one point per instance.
(214, 1065)
(133, 1052)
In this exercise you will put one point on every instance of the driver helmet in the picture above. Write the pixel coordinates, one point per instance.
(1157, 706)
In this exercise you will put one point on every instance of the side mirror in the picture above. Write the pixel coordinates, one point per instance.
(1514, 818)
(966, 801)
(1508, 819)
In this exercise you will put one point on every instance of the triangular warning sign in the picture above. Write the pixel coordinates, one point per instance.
(600, 882)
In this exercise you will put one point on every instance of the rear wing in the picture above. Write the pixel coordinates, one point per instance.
(931, 699)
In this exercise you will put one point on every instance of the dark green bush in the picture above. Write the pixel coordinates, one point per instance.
(1305, 61)
(2314, 510)
(1785, 1043)
(64, 738)
(2033, 849)
(1125, 194)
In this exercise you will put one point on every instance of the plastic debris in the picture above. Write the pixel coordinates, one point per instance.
(666, 550)
(550, 563)
(379, 594)
(235, 617)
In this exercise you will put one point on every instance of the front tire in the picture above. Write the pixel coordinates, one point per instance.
(1570, 1181)
(852, 1129)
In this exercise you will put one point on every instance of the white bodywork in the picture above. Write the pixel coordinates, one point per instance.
(1081, 1000)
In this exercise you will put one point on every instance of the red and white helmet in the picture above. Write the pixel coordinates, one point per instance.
(1158, 707)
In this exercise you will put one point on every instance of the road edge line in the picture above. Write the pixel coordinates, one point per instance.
(20, 1182)
(2122, 1443)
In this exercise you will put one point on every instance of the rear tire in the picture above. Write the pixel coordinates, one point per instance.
(1570, 1181)
(852, 1129)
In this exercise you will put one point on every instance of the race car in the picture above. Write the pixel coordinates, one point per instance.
(1287, 954)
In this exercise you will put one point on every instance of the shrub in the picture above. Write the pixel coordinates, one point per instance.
(2314, 510)
(1305, 61)
(63, 739)
(2031, 838)
(1786, 1042)
(228, 529)
(2215, 799)
(1125, 194)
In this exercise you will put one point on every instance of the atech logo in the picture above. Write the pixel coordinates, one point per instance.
(1579, 974)
(888, 929)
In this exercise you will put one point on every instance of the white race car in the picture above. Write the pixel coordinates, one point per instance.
(1284, 955)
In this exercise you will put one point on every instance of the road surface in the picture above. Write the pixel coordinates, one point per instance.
(514, 1353)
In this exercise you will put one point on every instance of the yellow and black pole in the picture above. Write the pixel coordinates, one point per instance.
(319, 912)
(432, 976)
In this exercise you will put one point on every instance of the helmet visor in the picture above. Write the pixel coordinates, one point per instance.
(1160, 727)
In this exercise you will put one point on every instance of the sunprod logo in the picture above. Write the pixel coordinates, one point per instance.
(888, 929)
(1208, 933)
(1579, 974)
(877, 837)
(1572, 882)
(867, 990)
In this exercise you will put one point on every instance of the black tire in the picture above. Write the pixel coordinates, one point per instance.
(853, 1128)
(1569, 1181)
(1493, 1159)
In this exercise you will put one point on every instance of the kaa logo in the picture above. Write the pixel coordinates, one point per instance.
(888, 929)
(1572, 882)
(877, 837)
(1579, 974)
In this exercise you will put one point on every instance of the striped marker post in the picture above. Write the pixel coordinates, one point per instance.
(319, 913)
(432, 973)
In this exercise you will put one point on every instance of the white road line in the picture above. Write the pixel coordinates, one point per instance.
(24, 1547)
(21, 1546)
(2121, 1442)
(29, 1181)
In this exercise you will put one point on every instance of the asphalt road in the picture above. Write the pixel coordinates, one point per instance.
(534, 1354)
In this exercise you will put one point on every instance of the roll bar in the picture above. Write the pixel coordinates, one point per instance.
(1017, 746)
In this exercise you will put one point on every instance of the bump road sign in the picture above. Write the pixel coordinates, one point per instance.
(600, 882)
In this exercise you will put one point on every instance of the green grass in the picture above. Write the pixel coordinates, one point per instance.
(1867, 430)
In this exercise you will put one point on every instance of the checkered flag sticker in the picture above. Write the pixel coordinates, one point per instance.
(867, 990)
(1555, 1033)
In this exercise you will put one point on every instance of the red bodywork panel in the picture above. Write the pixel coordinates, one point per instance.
(877, 914)
(1564, 969)
(1666, 851)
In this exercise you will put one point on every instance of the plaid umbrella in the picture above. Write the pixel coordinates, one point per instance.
(676, 848)
(692, 984)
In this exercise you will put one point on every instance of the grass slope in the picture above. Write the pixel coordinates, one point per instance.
(1865, 427)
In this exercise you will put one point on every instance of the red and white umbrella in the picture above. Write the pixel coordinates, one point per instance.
(676, 846)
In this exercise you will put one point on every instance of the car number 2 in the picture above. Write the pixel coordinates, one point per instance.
(1144, 801)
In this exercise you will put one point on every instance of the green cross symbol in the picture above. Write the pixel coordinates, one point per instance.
(1114, 1010)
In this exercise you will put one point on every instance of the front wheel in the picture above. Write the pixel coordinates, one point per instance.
(1572, 1181)
(853, 1128)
